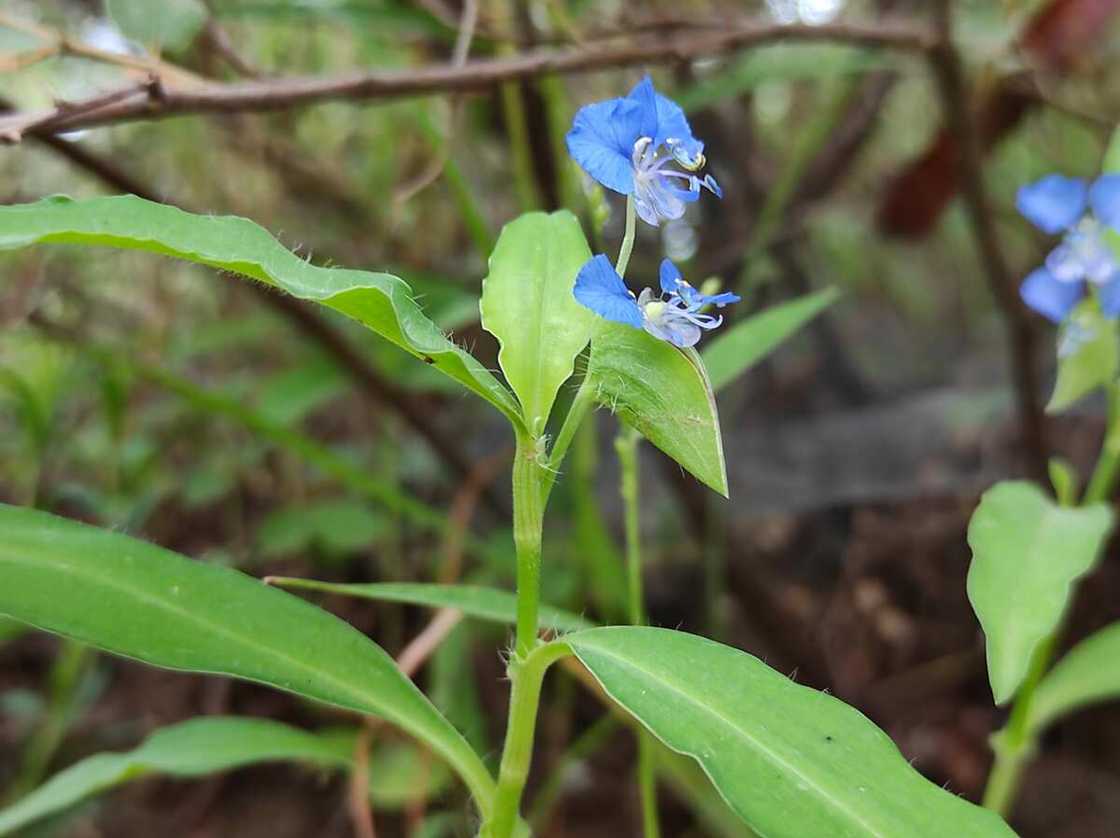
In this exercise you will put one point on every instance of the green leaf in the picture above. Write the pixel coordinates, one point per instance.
(484, 603)
(527, 304)
(739, 348)
(337, 525)
(173, 26)
(1112, 154)
(380, 301)
(134, 599)
(788, 760)
(191, 749)
(222, 743)
(1026, 554)
(1089, 673)
(1088, 355)
(663, 392)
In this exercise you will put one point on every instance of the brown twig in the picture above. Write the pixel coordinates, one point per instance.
(218, 40)
(462, 510)
(848, 139)
(411, 658)
(46, 117)
(947, 68)
(357, 797)
(383, 85)
(58, 43)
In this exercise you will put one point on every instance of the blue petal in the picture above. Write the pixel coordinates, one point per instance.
(600, 288)
(1054, 203)
(602, 142)
(666, 121)
(721, 300)
(1104, 198)
(1109, 296)
(670, 277)
(645, 97)
(672, 124)
(1049, 296)
(1065, 263)
(659, 200)
(680, 333)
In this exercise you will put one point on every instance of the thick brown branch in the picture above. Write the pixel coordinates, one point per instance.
(958, 106)
(280, 94)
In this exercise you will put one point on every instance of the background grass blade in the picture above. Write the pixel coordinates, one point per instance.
(132, 598)
(474, 601)
(735, 351)
(211, 744)
(789, 760)
(191, 749)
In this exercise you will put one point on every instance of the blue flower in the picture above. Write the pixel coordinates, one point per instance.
(1082, 212)
(630, 144)
(673, 316)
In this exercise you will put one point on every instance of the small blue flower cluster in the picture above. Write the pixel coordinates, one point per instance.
(642, 146)
(1082, 213)
(674, 315)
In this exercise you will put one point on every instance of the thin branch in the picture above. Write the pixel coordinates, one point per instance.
(847, 140)
(218, 39)
(410, 660)
(58, 43)
(357, 793)
(957, 101)
(281, 94)
(46, 117)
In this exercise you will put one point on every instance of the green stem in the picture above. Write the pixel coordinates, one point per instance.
(555, 96)
(1003, 782)
(1103, 480)
(513, 113)
(464, 196)
(528, 523)
(66, 677)
(627, 245)
(526, 674)
(1016, 743)
(582, 402)
(647, 786)
(626, 444)
(530, 659)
